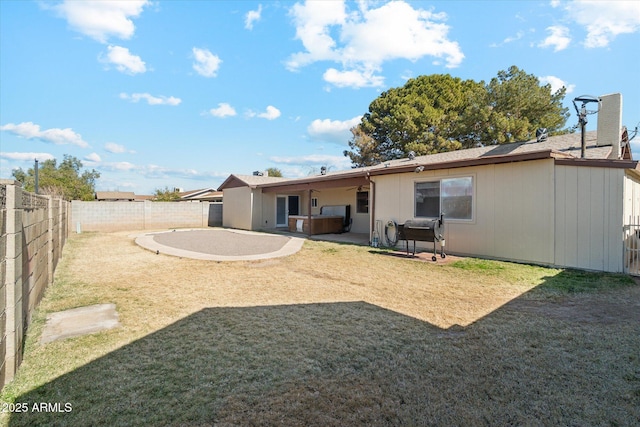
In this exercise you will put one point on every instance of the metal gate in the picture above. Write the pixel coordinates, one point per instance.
(632, 247)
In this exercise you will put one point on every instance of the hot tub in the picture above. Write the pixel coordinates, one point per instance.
(320, 224)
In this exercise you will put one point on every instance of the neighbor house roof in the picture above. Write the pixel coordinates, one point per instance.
(115, 195)
(204, 194)
(252, 181)
(564, 148)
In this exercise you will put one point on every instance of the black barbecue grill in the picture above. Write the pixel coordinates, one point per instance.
(425, 231)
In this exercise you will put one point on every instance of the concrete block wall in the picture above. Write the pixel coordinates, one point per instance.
(120, 216)
(30, 246)
(3, 276)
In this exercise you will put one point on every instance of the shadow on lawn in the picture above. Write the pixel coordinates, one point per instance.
(354, 363)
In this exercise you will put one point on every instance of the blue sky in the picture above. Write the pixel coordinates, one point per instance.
(156, 94)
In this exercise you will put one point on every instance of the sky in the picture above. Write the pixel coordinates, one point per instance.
(180, 94)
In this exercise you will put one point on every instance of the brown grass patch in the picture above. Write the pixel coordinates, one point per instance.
(333, 335)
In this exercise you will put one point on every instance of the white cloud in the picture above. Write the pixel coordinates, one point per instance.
(605, 20)
(271, 113)
(223, 110)
(251, 17)
(124, 61)
(556, 83)
(360, 42)
(352, 78)
(57, 136)
(112, 147)
(333, 130)
(27, 157)
(519, 35)
(93, 157)
(152, 100)
(118, 166)
(558, 38)
(206, 63)
(102, 19)
(161, 172)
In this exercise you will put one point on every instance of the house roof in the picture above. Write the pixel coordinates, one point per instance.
(115, 195)
(251, 181)
(202, 194)
(564, 148)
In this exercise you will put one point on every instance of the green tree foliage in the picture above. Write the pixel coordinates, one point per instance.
(65, 180)
(166, 195)
(438, 113)
(274, 172)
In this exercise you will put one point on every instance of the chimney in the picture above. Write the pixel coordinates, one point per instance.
(610, 123)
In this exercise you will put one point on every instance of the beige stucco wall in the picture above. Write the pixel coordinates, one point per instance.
(237, 208)
(343, 196)
(631, 198)
(265, 214)
(589, 215)
(512, 211)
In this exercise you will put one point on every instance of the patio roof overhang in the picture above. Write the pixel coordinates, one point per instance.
(317, 183)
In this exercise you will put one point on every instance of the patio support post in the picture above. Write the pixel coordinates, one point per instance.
(309, 214)
(372, 209)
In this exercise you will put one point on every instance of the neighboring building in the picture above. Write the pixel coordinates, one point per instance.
(120, 196)
(115, 196)
(202, 195)
(536, 202)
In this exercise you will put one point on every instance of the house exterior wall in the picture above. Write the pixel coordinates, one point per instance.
(237, 212)
(265, 213)
(631, 198)
(512, 209)
(258, 199)
(589, 218)
(343, 196)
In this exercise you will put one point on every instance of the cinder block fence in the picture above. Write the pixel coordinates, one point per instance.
(143, 215)
(33, 230)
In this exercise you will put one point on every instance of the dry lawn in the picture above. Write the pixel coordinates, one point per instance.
(334, 335)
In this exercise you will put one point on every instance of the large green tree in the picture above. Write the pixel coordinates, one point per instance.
(437, 113)
(65, 180)
(274, 172)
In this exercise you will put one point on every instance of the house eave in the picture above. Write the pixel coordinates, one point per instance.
(599, 163)
(476, 161)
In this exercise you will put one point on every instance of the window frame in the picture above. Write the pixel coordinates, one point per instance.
(439, 180)
(358, 201)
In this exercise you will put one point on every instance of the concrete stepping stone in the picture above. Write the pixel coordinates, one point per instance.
(79, 321)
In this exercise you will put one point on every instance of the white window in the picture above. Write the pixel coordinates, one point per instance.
(451, 196)
(314, 202)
